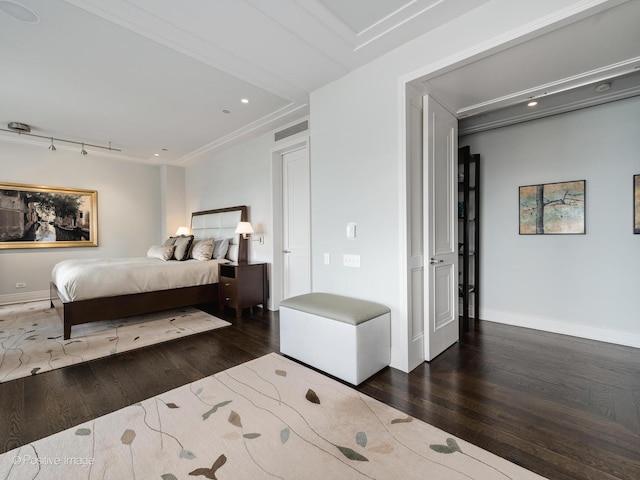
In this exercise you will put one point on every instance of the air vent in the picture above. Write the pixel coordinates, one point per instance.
(292, 130)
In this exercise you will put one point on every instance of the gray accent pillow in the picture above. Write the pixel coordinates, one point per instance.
(220, 248)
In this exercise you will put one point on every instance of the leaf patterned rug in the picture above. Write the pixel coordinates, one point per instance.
(267, 418)
(31, 339)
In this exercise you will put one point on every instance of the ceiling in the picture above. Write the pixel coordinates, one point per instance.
(162, 81)
(560, 70)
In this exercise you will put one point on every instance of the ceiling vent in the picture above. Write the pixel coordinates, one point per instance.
(19, 127)
(292, 130)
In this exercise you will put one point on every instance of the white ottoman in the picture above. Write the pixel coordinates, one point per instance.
(344, 337)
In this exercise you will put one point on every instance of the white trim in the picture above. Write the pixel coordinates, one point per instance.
(390, 24)
(561, 327)
(257, 126)
(24, 297)
(400, 357)
(559, 86)
(546, 112)
(506, 40)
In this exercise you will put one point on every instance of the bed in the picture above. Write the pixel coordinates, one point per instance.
(75, 308)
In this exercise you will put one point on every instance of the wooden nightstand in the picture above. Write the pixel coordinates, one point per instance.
(242, 285)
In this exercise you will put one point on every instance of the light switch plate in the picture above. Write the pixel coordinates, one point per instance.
(351, 261)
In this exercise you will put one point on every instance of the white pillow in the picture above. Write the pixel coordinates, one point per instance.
(220, 248)
(163, 252)
(202, 249)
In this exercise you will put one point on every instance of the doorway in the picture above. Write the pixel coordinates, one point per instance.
(296, 223)
(291, 269)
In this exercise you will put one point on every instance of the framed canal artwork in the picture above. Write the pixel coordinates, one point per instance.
(636, 203)
(43, 217)
(552, 208)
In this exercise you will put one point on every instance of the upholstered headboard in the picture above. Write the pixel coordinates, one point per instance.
(221, 223)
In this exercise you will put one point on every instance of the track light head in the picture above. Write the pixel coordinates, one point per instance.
(52, 147)
(83, 151)
(19, 127)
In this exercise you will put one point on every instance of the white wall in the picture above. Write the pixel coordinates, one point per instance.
(355, 178)
(357, 170)
(128, 212)
(358, 155)
(582, 285)
(173, 211)
(240, 175)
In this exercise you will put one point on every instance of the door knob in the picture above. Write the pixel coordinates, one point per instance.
(286, 251)
(434, 261)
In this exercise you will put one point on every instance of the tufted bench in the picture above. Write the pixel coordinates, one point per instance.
(344, 337)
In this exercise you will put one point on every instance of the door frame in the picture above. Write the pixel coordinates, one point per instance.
(407, 356)
(277, 268)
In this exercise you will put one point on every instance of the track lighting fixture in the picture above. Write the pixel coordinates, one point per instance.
(24, 129)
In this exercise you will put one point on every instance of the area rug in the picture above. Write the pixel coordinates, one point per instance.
(31, 339)
(267, 418)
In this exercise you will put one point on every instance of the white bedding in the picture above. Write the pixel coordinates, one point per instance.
(105, 277)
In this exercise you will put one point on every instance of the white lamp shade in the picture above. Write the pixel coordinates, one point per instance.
(183, 231)
(244, 228)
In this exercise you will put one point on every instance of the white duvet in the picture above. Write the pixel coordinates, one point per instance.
(105, 277)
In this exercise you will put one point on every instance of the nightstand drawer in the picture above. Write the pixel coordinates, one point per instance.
(227, 283)
(229, 299)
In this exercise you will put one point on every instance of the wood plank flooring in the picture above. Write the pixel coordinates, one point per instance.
(563, 407)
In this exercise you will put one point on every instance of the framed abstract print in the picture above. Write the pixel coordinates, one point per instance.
(553, 208)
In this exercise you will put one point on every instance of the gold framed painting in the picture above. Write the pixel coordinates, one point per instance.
(553, 208)
(636, 203)
(34, 216)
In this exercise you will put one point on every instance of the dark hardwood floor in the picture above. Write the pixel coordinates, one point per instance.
(563, 407)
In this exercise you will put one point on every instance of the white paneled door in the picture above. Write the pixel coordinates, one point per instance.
(296, 223)
(440, 196)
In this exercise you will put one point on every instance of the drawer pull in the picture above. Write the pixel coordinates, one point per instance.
(227, 284)
(227, 299)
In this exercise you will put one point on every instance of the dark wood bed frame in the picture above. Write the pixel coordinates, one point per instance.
(110, 308)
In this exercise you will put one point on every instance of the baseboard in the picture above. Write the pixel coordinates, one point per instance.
(564, 328)
(416, 351)
(398, 360)
(24, 297)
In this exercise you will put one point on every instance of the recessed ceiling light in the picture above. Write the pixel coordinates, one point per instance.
(603, 87)
(245, 100)
(156, 154)
(19, 12)
(226, 111)
(532, 103)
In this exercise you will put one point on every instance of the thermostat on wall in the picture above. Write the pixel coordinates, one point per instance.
(351, 230)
